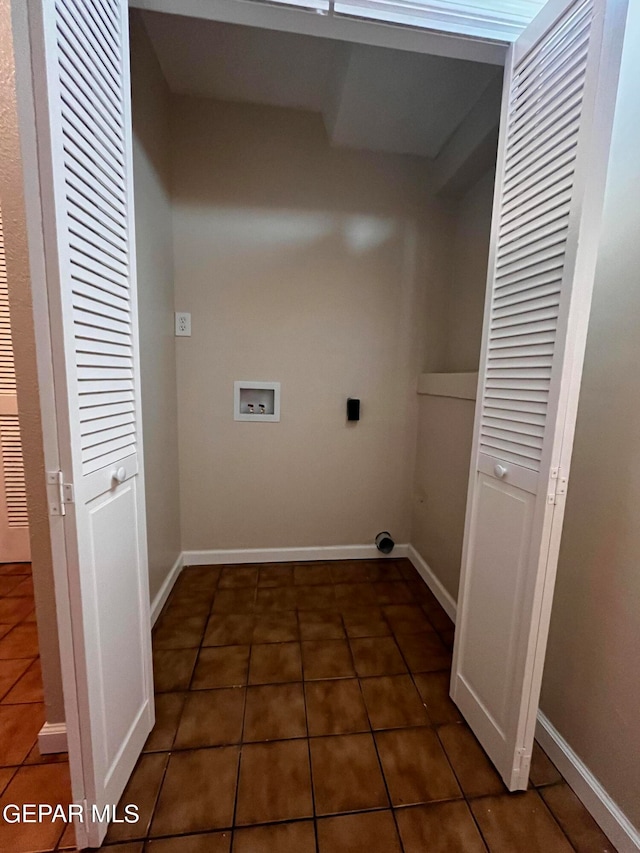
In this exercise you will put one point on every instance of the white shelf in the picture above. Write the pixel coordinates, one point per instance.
(460, 385)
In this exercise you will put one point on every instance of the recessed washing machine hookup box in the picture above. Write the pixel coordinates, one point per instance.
(256, 401)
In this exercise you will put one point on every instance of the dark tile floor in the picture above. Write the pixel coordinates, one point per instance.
(305, 709)
(25, 775)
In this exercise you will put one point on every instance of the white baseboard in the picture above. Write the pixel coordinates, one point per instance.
(52, 737)
(163, 593)
(613, 822)
(426, 572)
(287, 555)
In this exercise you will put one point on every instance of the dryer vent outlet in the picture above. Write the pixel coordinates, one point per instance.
(384, 542)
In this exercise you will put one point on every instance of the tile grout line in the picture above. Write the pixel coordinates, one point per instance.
(31, 661)
(147, 838)
(552, 812)
(244, 705)
(434, 728)
(380, 765)
(466, 799)
(19, 678)
(413, 600)
(308, 739)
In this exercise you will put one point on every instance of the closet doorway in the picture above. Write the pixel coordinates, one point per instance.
(86, 206)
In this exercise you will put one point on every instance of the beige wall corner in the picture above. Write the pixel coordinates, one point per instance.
(445, 433)
(445, 424)
(463, 386)
(154, 246)
(591, 689)
(465, 307)
(23, 334)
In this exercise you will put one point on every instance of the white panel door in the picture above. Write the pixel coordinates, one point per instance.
(14, 521)
(560, 86)
(81, 81)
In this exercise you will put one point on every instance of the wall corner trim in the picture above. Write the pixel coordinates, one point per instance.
(428, 576)
(464, 386)
(163, 593)
(52, 737)
(606, 813)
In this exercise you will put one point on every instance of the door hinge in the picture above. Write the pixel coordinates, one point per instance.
(557, 485)
(522, 761)
(60, 493)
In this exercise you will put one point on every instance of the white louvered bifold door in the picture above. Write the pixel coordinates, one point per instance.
(14, 522)
(560, 86)
(83, 110)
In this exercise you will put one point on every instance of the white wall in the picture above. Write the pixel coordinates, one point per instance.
(313, 267)
(445, 425)
(154, 242)
(591, 688)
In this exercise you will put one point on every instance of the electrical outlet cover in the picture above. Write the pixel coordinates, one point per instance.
(183, 324)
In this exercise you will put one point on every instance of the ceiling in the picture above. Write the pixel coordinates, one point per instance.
(370, 97)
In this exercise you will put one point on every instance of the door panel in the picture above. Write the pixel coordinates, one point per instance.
(560, 83)
(486, 670)
(117, 594)
(83, 113)
(496, 587)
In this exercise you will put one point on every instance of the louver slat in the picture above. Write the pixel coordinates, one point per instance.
(102, 307)
(87, 203)
(559, 76)
(558, 115)
(87, 52)
(556, 195)
(545, 110)
(527, 175)
(533, 228)
(80, 154)
(13, 471)
(558, 42)
(7, 370)
(559, 177)
(96, 406)
(93, 127)
(93, 120)
(100, 275)
(15, 493)
(525, 303)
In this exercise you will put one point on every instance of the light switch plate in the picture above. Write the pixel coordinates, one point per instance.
(183, 324)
